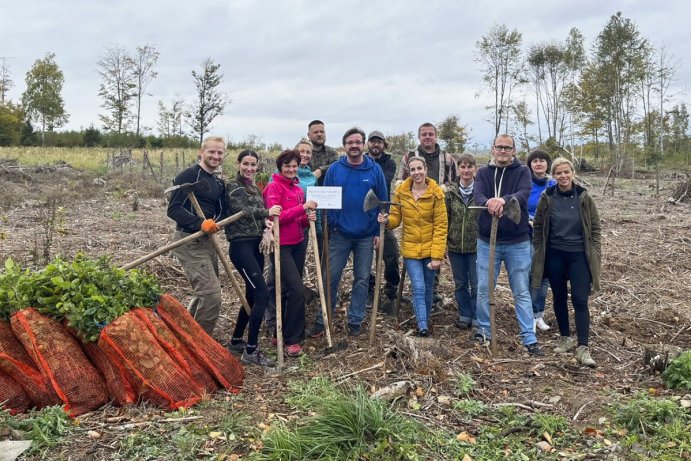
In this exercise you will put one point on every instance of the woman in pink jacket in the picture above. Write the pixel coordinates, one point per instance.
(285, 190)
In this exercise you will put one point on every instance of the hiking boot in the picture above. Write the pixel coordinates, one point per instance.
(583, 356)
(480, 339)
(462, 325)
(540, 324)
(354, 330)
(294, 350)
(317, 331)
(424, 333)
(389, 307)
(565, 344)
(535, 349)
(238, 348)
(256, 358)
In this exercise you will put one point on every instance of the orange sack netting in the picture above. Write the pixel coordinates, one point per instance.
(15, 362)
(178, 351)
(12, 396)
(61, 361)
(132, 348)
(117, 380)
(222, 365)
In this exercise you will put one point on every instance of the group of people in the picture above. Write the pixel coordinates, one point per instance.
(446, 207)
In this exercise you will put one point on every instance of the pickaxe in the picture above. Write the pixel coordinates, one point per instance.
(200, 186)
(371, 202)
(512, 210)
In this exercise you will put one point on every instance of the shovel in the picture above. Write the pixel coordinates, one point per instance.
(322, 299)
(371, 202)
(201, 186)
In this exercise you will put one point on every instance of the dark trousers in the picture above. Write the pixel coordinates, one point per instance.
(292, 292)
(249, 261)
(562, 267)
(392, 276)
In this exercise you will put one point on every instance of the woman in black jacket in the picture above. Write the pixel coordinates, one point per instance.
(566, 235)
(244, 236)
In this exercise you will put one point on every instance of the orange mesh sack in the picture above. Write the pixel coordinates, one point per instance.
(132, 348)
(15, 362)
(61, 361)
(117, 380)
(222, 365)
(12, 396)
(177, 351)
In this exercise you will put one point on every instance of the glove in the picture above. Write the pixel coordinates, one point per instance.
(209, 226)
(397, 183)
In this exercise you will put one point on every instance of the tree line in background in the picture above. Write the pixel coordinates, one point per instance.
(612, 102)
(125, 78)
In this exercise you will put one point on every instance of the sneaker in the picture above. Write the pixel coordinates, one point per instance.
(294, 350)
(274, 341)
(238, 348)
(317, 331)
(424, 333)
(354, 330)
(540, 324)
(535, 349)
(462, 325)
(583, 356)
(480, 339)
(256, 358)
(565, 344)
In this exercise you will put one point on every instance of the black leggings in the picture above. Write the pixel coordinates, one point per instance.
(249, 261)
(562, 266)
(293, 292)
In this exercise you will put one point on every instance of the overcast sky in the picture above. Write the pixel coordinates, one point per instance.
(384, 65)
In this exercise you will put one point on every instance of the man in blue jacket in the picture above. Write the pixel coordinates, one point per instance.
(351, 230)
(495, 184)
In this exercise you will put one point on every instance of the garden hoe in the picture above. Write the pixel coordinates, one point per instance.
(343, 344)
(201, 186)
(512, 210)
(278, 288)
(371, 202)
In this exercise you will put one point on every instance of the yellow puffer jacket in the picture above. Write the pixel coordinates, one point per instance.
(425, 224)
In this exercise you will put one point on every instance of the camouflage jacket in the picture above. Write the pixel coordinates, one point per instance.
(462, 236)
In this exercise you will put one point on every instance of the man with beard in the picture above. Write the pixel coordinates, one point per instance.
(322, 155)
(351, 229)
(198, 258)
(376, 149)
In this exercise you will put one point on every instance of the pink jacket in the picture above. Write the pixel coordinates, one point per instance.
(293, 219)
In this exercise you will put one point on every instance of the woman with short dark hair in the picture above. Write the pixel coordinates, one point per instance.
(285, 190)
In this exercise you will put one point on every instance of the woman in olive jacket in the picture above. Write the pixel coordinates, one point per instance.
(422, 212)
(566, 236)
(244, 236)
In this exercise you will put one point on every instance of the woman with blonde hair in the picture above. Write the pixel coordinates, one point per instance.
(422, 212)
(567, 239)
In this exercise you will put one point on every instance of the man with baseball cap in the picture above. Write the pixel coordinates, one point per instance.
(376, 149)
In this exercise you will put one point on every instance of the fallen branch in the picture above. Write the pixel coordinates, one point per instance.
(575, 417)
(377, 365)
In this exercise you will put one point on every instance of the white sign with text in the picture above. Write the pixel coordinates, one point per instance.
(327, 198)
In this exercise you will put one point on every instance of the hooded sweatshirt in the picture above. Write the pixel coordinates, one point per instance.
(512, 180)
(355, 181)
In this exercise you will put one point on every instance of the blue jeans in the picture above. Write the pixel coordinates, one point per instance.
(422, 286)
(340, 248)
(463, 266)
(516, 259)
(538, 296)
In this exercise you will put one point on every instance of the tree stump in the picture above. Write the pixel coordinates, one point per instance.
(657, 356)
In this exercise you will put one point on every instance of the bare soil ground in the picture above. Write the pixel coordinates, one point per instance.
(644, 300)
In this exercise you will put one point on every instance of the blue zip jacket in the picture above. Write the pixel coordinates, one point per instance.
(355, 181)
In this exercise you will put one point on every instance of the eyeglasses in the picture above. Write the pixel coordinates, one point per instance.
(354, 143)
(376, 141)
(503, 148)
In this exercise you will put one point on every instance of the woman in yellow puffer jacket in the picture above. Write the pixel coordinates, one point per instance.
(422, 212)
